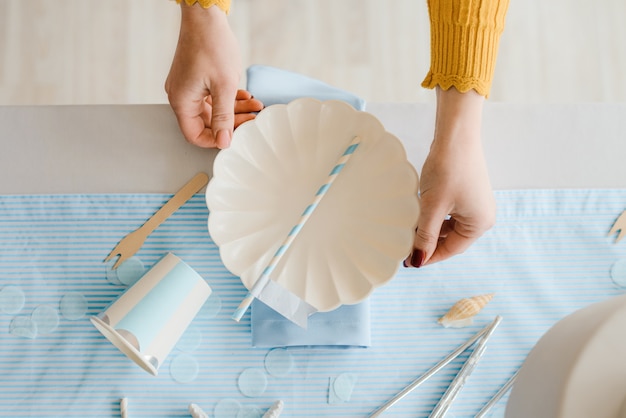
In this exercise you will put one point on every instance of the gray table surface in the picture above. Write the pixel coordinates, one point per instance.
(139, 148)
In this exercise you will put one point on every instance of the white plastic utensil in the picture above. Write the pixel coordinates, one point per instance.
(436, 368)
(457, 384)
(499, 394)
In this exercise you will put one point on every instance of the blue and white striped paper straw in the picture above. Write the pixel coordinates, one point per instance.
(265, 275)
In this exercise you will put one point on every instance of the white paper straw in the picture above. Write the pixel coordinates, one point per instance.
(124, 407)
(265, 275)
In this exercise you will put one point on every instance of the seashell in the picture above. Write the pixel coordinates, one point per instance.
(462, 313)
(196, 411)
(275, 410)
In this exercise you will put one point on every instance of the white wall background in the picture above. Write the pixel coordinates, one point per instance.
(119, 51)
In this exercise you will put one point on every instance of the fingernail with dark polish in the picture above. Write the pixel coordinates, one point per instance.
(417, 258)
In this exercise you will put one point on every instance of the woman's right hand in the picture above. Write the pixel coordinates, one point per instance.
(203, 79)
(456, 199)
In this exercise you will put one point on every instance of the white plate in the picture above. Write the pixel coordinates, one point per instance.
(360, 231)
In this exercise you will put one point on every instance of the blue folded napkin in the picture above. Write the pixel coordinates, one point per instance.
(275, 86)
(346, 327)
(349, 325)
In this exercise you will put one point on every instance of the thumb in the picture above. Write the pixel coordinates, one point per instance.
(427, 235)
(223, 116)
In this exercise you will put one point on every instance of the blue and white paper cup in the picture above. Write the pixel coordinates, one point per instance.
(148, 319)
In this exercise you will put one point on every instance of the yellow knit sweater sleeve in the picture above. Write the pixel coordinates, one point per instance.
(222, 4)
(464, 38)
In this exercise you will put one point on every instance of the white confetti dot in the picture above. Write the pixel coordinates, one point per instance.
(212, 306)
(23, 326)
(618, 272)
(46, 318)
(11, 299)
(252, 382)
(227, 408)
(184, 368)
(249, 412)
(278, 362)
(130, 271)
(190, 340)
(344, 385)
(111, 274)
(73, 306)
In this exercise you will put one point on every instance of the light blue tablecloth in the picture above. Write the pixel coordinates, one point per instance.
(548, 255)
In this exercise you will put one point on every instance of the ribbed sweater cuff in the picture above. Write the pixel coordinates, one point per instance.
(464, 43)
(222, 4)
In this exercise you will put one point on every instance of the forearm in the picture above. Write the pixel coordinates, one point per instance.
(222, 4)
(197, 19)
(458, 119)
(465, 36)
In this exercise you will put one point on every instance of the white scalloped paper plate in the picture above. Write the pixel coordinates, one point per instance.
(360, 231)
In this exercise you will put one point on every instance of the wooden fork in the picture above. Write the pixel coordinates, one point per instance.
(619, 225)
(132, 242)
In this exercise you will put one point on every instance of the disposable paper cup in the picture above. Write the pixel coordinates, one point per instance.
(148, 319)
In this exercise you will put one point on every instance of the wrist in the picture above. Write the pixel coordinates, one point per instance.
(199, 27)
(459, 117)
(195, 14)
(224, 5)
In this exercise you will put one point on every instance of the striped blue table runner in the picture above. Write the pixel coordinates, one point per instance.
(548, 255)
